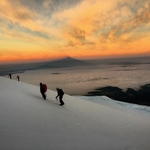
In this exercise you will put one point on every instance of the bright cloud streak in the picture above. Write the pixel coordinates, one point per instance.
(46, 29)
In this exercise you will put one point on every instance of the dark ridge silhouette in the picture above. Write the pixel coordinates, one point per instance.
(17, 68)
(63, 63)
(123, 61)
(141, 96)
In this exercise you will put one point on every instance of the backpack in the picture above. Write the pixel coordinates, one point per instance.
(44, 87)
(61, 92)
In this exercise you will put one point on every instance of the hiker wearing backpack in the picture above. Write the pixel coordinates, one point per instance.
(18, 78)
(60, 94)
(10, 76)
(43, 89)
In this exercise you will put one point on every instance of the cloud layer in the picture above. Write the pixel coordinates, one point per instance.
(79, 28)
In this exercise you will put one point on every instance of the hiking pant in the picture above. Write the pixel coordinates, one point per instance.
(60, 99)
(44, 95)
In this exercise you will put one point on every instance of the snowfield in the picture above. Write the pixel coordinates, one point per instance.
(28, 122)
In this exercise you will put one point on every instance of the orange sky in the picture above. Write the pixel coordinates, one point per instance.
(49, 29)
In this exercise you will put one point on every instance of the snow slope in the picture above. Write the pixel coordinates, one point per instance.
(27, 122)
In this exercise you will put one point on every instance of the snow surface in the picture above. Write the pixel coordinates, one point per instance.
(27, 122)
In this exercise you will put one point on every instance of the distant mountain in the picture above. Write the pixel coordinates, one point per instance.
(63, 63)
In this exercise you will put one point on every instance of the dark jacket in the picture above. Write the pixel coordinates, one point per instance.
(59, 92)
(41, 88)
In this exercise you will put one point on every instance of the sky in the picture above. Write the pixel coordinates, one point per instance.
(48, 29)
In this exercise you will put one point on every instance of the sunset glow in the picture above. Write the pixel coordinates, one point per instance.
(48, 29)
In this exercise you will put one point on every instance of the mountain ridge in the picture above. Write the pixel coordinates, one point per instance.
(64, 63)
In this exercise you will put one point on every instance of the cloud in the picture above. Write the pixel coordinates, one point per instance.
(125, 29)
(103, 26)
(77, 33)
(70, 43)
(20, 15)
(107, 25)
(46, 3)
